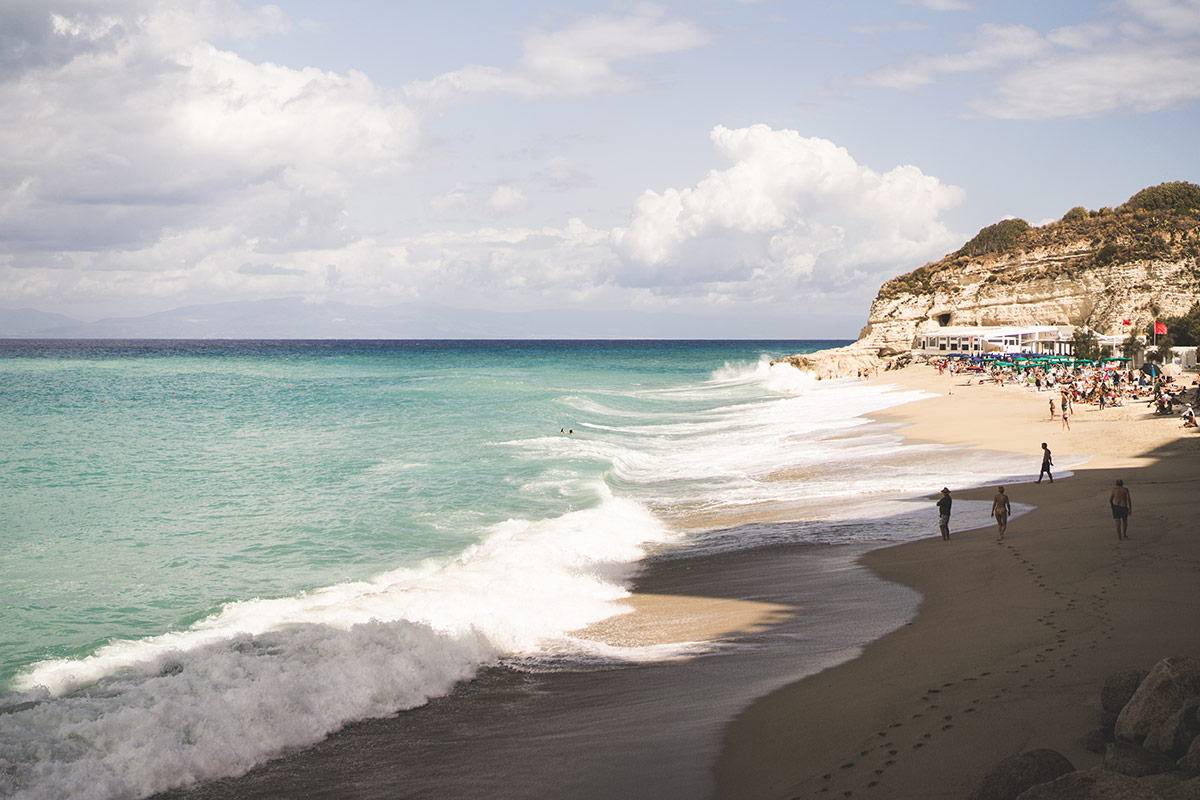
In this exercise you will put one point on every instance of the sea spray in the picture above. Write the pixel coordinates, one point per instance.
(254, 544)
(262, 676)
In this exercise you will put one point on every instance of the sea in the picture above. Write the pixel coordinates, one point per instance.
(218, 552)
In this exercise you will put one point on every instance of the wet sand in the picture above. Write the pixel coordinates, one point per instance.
(1014, 639)
(804, 698)
(643, 732)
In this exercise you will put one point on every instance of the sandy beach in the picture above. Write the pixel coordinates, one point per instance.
(1013, 640)
(829, 681)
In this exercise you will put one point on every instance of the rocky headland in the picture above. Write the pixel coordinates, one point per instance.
(1093, 269)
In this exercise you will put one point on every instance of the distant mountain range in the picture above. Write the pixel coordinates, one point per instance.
(293, 318)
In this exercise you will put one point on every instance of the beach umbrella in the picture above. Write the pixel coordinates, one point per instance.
(1151, 369)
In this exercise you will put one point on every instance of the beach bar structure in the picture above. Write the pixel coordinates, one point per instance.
(1052, 340)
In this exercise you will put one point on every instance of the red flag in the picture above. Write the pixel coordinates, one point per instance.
(1160, 328)
(1126, 322)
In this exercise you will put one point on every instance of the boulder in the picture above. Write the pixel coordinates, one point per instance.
(1116, 692)
(1187, 790)
(1095, 784)
(1164, 691)
(1190, 763)
(1179, 730)
(1013, 775)
(1129, 759)
(1096, 740)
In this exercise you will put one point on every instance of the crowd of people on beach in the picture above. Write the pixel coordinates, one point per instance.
(1103, 385)
(1073, 381)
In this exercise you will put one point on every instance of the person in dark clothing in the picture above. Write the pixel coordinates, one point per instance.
(943, 506)
(1047, 462)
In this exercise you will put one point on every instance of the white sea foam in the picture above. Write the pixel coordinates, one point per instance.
(264, 675)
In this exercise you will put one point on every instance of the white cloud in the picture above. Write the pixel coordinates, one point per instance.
(580, 60)
(506, 200)
(786, 216)
(153, 132)
(941, 5)
(994, 46)
(789, 209)
(1098, 83)
(1144, 57)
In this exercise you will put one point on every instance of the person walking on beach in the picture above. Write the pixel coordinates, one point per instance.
(1052, 409)
(1047, 462)
(943, 506)
(1122, 505)
(1000, 510)
(1067, 410)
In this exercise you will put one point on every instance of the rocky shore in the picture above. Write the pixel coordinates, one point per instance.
(1149, 736)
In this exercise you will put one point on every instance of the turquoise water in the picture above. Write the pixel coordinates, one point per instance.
(145, 485)
(215, 551)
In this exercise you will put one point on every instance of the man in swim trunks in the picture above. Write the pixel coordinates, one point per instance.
(1122, 505)
(943, 506)
(1047, 462)
(1000, 510)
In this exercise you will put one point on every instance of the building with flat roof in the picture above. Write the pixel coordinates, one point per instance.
(977, 339)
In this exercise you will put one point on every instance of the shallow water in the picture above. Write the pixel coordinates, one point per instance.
(221, 551)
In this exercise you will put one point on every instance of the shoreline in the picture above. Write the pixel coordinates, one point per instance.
(1013, 640)
(830, 656)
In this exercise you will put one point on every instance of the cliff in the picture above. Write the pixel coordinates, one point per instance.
(1092, 268)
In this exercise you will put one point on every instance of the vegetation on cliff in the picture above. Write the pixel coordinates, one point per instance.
(994, 238)
(1158, 223)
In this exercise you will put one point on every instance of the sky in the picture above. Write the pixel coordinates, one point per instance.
(764, 163)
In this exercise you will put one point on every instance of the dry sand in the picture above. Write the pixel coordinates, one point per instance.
(1014, 639)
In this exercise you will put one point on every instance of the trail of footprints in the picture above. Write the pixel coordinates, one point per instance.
(861, 774)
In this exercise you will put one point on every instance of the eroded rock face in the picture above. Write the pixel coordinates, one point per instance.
(1129, 759)
(1095, 273)
(1165, 691)
(1180, 729)
(1008, 778)
(1095, 784)
(1117, 690)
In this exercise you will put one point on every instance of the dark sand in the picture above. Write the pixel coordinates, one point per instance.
(1008, 651)
(1014, 640)
(649, 731)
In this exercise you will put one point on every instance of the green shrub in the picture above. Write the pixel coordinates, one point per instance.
(1106, 255)
(1076, 214)
(1087, 344)
(995, 238)
(1176, 196)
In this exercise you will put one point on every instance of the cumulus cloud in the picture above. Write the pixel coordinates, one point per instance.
(783, 216)
(584, 59)
(790, 209)
(506, 200)
(137, 131)
(1144, 57)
